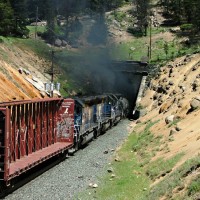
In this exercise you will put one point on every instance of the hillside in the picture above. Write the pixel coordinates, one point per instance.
(171, 103)
(160, 160)
(163, 149)
(173, 93)
(175, 96)
(22, 73)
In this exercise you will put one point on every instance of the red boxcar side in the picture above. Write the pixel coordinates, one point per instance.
(32, 132)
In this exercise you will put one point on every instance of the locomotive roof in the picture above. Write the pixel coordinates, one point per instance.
(90, 100)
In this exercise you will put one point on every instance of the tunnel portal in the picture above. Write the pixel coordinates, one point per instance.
(130, 76)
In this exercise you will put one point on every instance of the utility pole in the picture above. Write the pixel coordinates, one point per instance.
(52, 65)
(150, 39)
(36, 21)
(52, 71)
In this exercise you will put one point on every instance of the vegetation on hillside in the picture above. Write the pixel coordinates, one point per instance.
(134, 170)
(15, 16)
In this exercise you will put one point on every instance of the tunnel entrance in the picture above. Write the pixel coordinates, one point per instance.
(129, 76)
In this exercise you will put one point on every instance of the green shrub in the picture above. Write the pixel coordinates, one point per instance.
(137, 32)
(194, 187)
(174, 180)
(119, 16)
(161, 167)
(186, 27)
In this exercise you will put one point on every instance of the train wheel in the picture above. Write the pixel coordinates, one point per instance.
(76, 146)
(2, 190)
(95, 134)
(111, 124)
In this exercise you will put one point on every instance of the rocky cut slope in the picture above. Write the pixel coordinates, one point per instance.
(173, 101)
(174, 96)
(21, 73)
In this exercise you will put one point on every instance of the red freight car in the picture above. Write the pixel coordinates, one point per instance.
(33, 131)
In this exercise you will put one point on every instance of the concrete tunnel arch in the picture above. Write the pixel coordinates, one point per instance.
(130, 80)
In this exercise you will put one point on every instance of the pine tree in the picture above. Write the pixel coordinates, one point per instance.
(142, 9)
(20, 17)
(6, 18)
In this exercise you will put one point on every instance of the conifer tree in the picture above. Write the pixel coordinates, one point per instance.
(6, 18)
(20, 17)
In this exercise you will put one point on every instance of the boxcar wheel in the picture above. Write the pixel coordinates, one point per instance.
(95, 134)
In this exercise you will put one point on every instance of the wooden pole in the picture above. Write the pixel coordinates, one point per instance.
(150, 39)
(36, 22)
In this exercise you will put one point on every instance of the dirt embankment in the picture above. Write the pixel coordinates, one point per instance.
(174, 98)
(17, 66)
(174, 93)
(173, 101)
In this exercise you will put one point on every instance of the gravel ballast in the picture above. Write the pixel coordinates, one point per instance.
(74, 175)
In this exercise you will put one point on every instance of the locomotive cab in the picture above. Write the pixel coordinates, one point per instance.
(87, 119)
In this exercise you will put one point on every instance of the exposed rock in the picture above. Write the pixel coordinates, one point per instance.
(195, 68)
(93, 185)
(165, 106)
(112, 150)
(42, 93)
(169, 119)
(164, 80)
(195, 85)
(117, 159)
(178, 128)
(194, 104)
(90, 184)
(175, 30)
(64, 43)
(154, 87)
(154, 106)
(180, 104)
(197, 98)
(183, 88)
(172, 131)
(155, 96)
(110, 170)
(113, 175)
(171, 83)
(170, 72)
(41, 23)
(26, 72)
(138, 121)
(173, 93)
(58, 43)
(167, 87)
(162, 90)
(20, 70)
(143, 112)
(105, 152)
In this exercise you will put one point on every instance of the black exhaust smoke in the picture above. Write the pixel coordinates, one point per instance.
(92, 71)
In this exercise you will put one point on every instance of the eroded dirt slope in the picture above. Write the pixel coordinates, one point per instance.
(173, 100)
(172, 94)
(16, 67)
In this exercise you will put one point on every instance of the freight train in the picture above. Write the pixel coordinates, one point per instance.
(33, 131)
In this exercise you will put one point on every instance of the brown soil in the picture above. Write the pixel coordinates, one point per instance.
(176, 101)
(187, 139)
(182, 74)
(17, 65)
